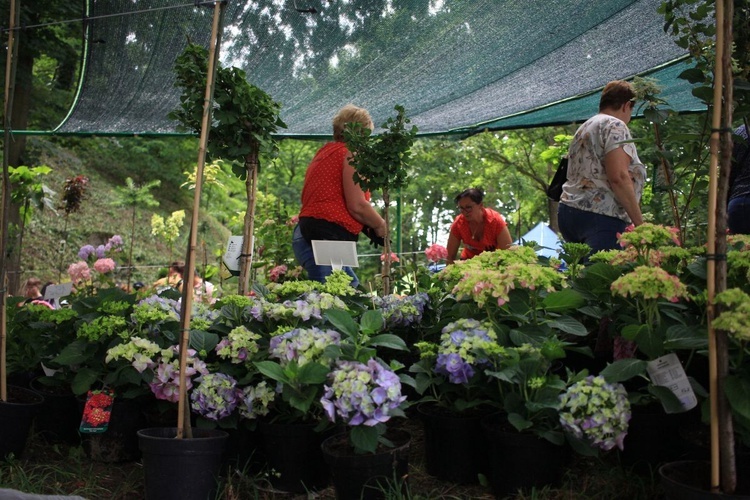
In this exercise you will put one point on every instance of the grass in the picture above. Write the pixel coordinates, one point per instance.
(57, 469)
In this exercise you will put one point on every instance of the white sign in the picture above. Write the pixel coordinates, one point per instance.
(57, 291)
(232, 255)
(667, 371)
(336, 254)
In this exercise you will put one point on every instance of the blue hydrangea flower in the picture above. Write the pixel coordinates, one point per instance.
(362, 394)
(216, 397)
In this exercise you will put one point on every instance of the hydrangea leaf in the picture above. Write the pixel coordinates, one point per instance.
(686, 337)
(389, 340)
(371, 322)
(364, 438)
(667, 398)
(272, 370)
(201, 340)
(342, 322)
(83, 381)
(312, 373)
(738, 393)
(623, 369)
(567, 324)
(563, 300)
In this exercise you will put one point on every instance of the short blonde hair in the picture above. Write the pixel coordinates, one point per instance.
(350, 114)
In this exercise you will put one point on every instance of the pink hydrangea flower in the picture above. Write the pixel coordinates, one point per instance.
(277, 272)
(79, 271)
(394, 257)
(104, 266)
(436, 252)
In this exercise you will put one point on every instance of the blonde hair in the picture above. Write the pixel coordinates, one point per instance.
(350, 114)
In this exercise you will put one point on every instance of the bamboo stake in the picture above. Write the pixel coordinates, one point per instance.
(183, 409)
(10, 77)
(711, 263)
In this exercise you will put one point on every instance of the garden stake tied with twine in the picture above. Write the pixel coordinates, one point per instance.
(183, 413)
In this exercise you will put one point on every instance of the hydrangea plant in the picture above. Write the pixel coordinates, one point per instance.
(452, 372)
(596, 412)
(364, 396)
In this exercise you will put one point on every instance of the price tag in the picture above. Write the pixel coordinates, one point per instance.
(667, 371)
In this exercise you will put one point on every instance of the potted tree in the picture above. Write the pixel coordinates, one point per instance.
(381, 162)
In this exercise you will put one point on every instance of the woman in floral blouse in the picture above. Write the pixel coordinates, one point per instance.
(605, 177)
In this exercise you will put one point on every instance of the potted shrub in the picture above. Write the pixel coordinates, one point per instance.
(456, 393)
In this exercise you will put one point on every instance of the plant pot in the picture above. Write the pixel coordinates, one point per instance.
(369, 476)
(60, 414)
(187, 469)
(653, 438)
(16, 416)
(520, 459)
(119, 443)
(455, 448)
(293, 456)
(691, 480)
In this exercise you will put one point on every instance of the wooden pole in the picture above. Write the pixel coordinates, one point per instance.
(711, 263)
(10, 77)
(188, 279)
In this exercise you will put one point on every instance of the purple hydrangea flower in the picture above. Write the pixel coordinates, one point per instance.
(216, 396)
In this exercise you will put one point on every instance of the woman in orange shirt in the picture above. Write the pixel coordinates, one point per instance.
(479, 228)
(334, 207)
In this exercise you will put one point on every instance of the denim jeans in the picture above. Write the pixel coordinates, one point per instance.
(596, 230)
(303, 252)
(738, 215)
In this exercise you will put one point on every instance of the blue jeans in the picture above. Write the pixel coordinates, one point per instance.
(596, 230)
(303, 252)
(738, 215)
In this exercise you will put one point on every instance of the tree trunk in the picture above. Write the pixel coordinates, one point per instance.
(386, 246)
(16, 149)
(246, 257)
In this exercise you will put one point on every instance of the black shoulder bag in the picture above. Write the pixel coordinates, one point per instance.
(555, 188)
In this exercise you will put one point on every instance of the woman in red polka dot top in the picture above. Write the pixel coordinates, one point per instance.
(334, 207)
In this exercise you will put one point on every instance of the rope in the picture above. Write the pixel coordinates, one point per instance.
(106, 16)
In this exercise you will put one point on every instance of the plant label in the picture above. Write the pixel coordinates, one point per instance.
(667, 371)
(97, 411)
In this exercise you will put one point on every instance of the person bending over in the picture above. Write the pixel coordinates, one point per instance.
(479, 228)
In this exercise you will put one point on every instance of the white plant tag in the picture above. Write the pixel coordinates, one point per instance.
(667, 371)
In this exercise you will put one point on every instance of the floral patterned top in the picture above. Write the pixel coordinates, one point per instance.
(587, 187)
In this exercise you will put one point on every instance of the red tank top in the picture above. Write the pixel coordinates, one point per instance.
(323, 191)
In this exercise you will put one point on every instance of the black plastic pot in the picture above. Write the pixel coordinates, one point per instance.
(369, 476)
(455, 448)
(691, 480)
(520, 459)
(60, 415)
(293, 453)
(185, 469)
(16, 416)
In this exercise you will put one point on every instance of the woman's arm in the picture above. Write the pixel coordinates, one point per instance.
(616, 164)
(357, 204)
(504, 241)
(453, 244)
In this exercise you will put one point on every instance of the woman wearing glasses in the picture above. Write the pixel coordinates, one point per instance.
(479, 228)
(605, 177)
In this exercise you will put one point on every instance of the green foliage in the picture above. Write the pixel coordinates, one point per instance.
(381, 162)
(244, 116)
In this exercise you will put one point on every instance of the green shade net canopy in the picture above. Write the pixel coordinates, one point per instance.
(458, 67)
